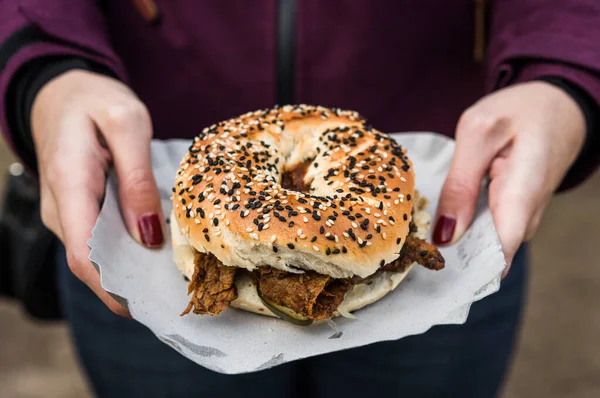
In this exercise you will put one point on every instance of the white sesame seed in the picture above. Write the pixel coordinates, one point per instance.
(218, 233)
(266, 226)
(380, 222)
(299, 232)
(402, 179)
(384, 235)
(197, 221)
(227, 222)
(302, 236)
(354, 224)
(345, 234)
(305, 219)
(360, 241)
(396, 202)
(217, 212)
(315, 248)
(254, 236)
(391, 222)
(368, 211)
(336, 238)
(377, 215)
(369, 243)
(249, 229)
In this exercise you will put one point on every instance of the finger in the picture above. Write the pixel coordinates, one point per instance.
(128, 131)
(478, 140)
(76, 181)
(78, 211)
(515, 200)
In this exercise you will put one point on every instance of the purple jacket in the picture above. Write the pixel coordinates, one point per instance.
(405, 65)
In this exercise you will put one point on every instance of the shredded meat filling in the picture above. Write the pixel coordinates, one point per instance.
(310, 294)
(293, 179)
(213, 286)
(419, 251)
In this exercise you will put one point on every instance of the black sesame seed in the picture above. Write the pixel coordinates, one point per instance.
(275, 249)
(215, 222)
(290, 245)
(382, 263)
(344, 249)
(328, 251)
(206, 237)
(205, 230)
(322, 229)
(405, 217)
(398, 241)
(423, 253)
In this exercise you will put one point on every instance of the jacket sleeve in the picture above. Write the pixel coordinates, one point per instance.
(31, 29)
(532, 39)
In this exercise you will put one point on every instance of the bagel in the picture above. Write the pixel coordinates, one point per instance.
(310, 197)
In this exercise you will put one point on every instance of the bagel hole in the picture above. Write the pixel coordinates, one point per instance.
(293, 178)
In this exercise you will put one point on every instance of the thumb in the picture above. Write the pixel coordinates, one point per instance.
(478, 141)
(128, 137)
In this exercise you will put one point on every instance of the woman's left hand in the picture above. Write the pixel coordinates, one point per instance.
(524, 138)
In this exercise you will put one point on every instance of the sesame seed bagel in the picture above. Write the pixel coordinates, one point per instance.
(350, 218)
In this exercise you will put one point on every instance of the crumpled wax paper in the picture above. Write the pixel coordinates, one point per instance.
(149, 284)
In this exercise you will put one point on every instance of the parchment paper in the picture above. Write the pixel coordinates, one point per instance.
(149, 284)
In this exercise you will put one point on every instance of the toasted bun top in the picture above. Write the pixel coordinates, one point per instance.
(228, 200)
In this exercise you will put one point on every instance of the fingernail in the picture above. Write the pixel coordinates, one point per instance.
(151, 232)
(444, 230)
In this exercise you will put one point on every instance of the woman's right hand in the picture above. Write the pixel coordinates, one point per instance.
(84, 123)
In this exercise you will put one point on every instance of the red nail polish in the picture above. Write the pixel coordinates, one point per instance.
(444, 230)
(151, 232)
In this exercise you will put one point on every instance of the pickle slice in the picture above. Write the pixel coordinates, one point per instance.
(285, 313)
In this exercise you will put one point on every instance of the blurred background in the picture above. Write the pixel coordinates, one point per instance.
(558, 353)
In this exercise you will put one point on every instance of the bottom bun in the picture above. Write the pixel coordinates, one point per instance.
(361, 294)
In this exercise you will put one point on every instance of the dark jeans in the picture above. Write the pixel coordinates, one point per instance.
(124, 359)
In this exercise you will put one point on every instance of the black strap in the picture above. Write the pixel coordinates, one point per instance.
(286, 40)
